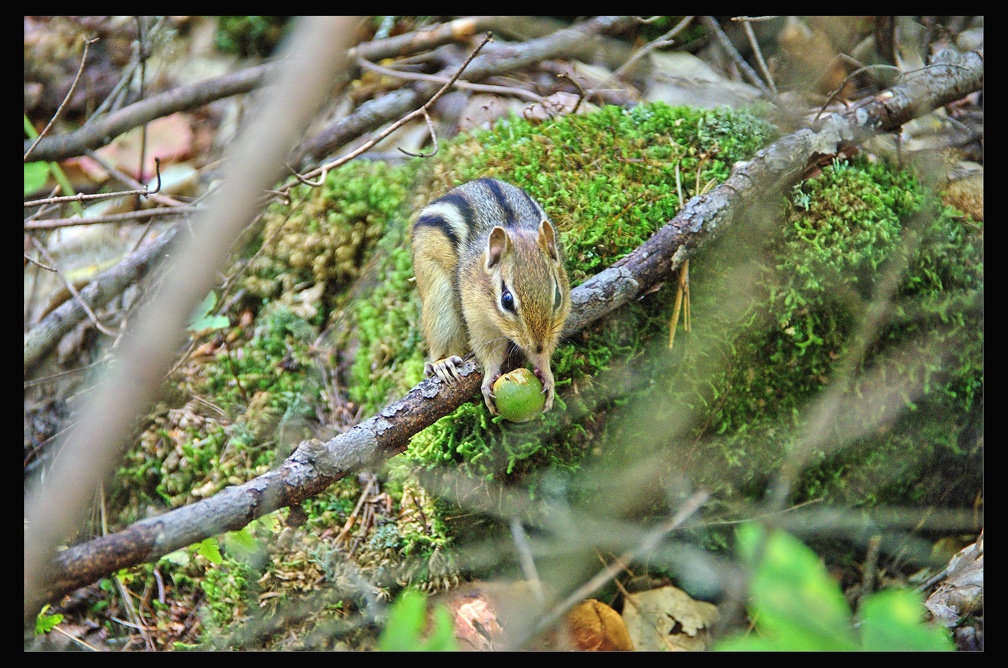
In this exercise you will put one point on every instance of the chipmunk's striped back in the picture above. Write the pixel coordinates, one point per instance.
(472, 209)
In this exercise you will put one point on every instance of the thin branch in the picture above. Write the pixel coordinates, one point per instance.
(433, 136)
(526, 560)
(128, 216)
(59, 110)
(31, 260)
(647, 544)
(843, 83)
(126, 179)
(660, 43)
(81, 197)
(758, 52)
(70, 286)
(712, 25)
(142, 41)
(285, 190)
(463, 85)
(102, 131)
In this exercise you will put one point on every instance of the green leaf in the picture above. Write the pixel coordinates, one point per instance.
(178, 557)
(201, 319)
(796, 606)
(794, 602)
(35, 176)
(45, 623)
(241, 544)
(210, 550)
(892, 620)
(406, 622)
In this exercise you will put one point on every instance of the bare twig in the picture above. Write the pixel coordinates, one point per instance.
(102, 131)
(73, 87)
(142, 43)
(124, 178)
(390, 129)
(35, 262)
(81, 197)
(75, 639)
(712, 25)
(128, 216)
(433, 136)
(661, 42)
(527, 561)
(124, 594)
(843, 83)
(463, 85)
(70, 286)
(647, 544)
(751, 36)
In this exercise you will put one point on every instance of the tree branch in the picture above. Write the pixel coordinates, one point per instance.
(101, 131)
(43, 337)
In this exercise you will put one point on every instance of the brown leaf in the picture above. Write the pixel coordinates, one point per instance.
(169, 138)
(594, 626)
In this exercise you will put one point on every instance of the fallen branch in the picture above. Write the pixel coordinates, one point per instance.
(102, 131)
(752, 187)
(44, 336)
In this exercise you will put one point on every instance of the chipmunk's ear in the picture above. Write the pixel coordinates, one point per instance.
(497, 245)
(547, 239)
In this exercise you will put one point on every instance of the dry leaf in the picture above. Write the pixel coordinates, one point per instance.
(169, 138)
(961, 592)
(594, 626)
(668, 619)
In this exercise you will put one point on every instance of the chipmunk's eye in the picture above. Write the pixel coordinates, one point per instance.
(557, 297)
(507, 299)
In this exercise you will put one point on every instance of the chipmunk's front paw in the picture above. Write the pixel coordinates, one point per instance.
(488, 395)
(546, 377)
(446, 369)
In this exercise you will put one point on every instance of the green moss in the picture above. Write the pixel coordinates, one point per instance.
(230, 589)
(817, 317)
(774, 314)
(607, 179)
(325, 237)
(257, 395)
(250, 35)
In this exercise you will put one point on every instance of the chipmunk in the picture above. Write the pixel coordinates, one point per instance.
(491, 276)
